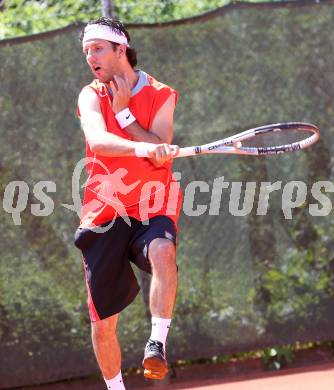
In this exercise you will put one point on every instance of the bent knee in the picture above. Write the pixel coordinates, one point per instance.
(105, 326)
(162, 250)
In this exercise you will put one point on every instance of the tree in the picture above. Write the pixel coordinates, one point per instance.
(108, 8)
(24, 17)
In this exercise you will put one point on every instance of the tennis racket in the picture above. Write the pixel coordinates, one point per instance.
(265, 140)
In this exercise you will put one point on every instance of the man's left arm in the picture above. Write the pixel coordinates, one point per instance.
(161, 131)
(162, 128)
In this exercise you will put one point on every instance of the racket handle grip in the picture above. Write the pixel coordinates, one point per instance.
(186, 152)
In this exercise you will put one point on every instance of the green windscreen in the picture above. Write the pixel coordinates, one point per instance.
(255, 249)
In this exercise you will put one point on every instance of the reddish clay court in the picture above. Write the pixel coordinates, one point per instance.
(320, 378)
(311, 369)
(317, 377)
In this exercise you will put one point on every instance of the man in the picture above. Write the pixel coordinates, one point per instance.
(131, 202)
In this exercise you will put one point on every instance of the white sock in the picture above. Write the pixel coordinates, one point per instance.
(116, 383)
(160, 328)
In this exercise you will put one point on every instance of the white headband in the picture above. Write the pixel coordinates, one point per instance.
(101, 31)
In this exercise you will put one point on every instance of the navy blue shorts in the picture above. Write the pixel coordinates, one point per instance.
(111, 282)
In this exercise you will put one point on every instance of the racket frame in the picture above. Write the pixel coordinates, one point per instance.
(225, 145)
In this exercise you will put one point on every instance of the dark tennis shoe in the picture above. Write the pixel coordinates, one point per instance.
(154, 362)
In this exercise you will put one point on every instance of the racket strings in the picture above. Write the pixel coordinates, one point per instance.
(275, 138)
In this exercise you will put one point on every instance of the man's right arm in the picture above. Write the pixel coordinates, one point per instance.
(105, 143)
(93, 124)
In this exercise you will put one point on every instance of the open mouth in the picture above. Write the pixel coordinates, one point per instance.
(96, 68)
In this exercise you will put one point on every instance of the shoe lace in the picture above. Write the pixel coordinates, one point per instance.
(155, 346)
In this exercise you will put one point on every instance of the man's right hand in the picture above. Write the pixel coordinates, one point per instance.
(162, 153)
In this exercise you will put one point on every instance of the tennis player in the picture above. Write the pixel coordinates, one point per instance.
(127, 119)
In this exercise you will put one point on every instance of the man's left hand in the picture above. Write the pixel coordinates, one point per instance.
(121, 91)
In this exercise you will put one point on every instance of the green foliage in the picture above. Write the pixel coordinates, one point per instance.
(300, 280)
(277, 358)
(24, 17)
(147, 11)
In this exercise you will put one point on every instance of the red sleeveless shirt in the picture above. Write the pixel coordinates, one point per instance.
(129, 186)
